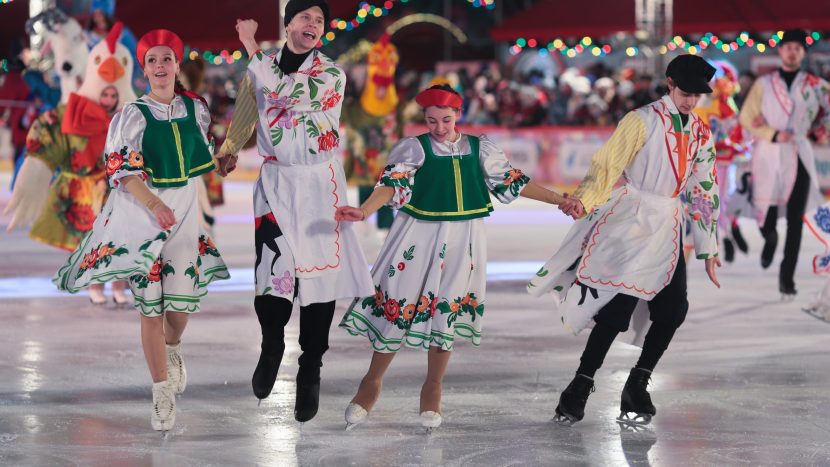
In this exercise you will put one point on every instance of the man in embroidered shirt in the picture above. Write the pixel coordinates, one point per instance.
(302, 253)
(779, 112)
(627, 250)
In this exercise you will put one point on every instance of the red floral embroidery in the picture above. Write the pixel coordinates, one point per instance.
(391, 310)
(330, 99)
(328, 141)
(114, 163)
(154, 275)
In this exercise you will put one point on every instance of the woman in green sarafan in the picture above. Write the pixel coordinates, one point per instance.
(431, 273)
(149, 230)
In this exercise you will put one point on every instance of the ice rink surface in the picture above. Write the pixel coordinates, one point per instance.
(746, 380)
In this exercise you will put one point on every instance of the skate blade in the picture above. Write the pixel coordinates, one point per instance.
(787, 298)
(564, 420)
(814, 312)
(258, 402)
(639, 419)
(352, 426)
(429, 430)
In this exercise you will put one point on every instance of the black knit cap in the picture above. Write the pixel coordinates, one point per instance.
(794, 35)
(691, 73)
(296, 6)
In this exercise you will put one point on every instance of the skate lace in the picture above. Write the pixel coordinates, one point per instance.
(175, 359)
(163, 403)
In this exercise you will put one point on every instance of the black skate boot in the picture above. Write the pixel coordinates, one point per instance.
(740, 242)
(787, 289)
(571, 407)
(265, 374)
(728, 250)
(308, 393)
(273, 314)
(636, 399)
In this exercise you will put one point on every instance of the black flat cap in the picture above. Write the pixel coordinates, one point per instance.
(691, 73)
(794, 35)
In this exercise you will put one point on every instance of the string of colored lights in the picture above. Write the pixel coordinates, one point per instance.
(708, 40)
(743, 40)
(364, 11)
(558, 45)
(224, 56)
(489, 4)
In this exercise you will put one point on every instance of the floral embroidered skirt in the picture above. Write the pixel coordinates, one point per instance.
(430, 280)
(168, 270)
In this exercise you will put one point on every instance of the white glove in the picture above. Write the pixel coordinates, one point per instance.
(30, 193)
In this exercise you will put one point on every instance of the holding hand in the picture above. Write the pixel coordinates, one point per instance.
(349, 214)
(572, 206)
(711, 264)
(226, 163)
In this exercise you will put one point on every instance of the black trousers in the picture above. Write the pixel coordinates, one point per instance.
(315, 321)
(667, 311)
(796, 206)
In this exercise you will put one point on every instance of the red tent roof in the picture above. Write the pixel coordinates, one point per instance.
(549, 19)
(203, 25)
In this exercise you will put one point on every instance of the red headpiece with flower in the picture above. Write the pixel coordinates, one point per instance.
(159, 37)
(439, 98)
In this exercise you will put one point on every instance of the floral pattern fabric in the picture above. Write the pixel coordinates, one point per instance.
(167, 270)
(75, 196)
(430, 287)
(818, 221)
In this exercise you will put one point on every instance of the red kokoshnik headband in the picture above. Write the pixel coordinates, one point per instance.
(159, 37)
(438, 98)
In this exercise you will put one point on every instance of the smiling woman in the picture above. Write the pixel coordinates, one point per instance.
(149, 231)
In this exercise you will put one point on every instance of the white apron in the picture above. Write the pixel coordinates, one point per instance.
(302, 183)
(775, 165)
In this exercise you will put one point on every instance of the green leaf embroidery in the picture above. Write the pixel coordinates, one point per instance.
(312, 89)
(542, 272)
(409, 254)
(391, 271)
(276, 135)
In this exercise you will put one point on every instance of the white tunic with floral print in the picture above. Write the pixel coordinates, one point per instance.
(301, 184)
(629, 242)
(168, 270)
(430, 277)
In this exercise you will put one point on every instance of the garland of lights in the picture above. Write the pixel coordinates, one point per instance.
(743, 40)
(706, 41)
(489, 4)
(558, 45)
(365, 10)
(224, 56)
